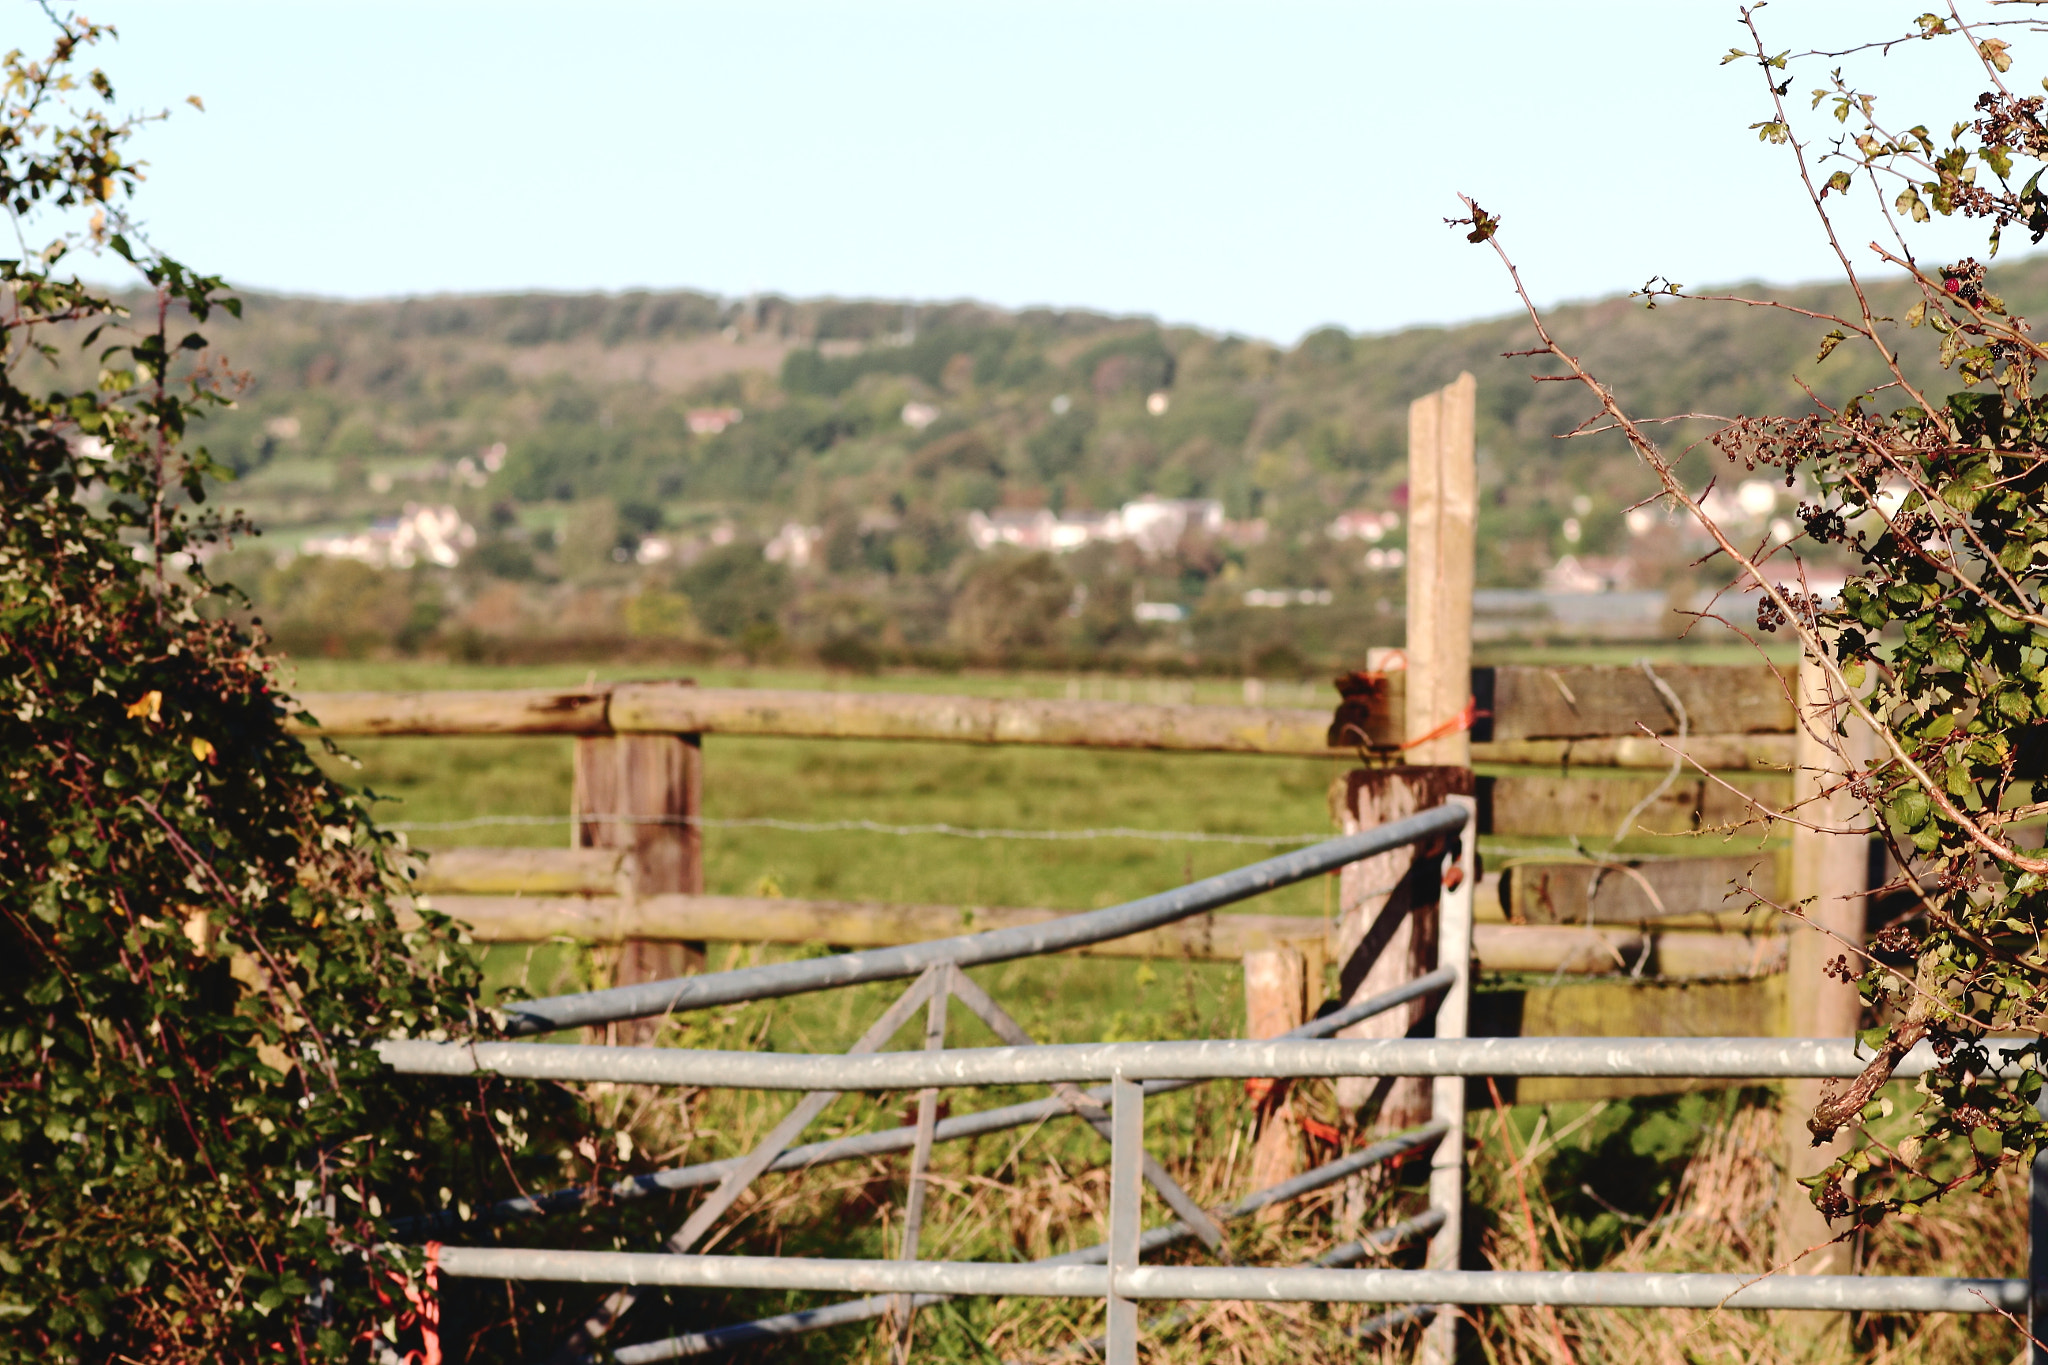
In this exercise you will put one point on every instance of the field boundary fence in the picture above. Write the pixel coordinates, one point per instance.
(1447, 754)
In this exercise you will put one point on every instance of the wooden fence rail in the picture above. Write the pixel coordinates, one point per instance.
(1735, 709)
(1732, 950)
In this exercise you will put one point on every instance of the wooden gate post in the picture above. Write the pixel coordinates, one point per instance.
(1276, 986)
(1443, 511)
(1386, 935)
(1831, 874)
(642, 792)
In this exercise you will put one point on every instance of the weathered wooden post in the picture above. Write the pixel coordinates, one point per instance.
(1831, 877)
(1390, 928)
(642, 792)
(1276, 989)
(1386, 934)
(1443, 512)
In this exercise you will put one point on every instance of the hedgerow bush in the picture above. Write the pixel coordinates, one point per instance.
(199, 933)
(1927, 490)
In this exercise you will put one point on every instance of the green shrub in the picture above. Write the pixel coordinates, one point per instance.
(199, 933)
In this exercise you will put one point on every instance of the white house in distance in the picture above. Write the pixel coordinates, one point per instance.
(437, 535)
(794, 545)
(1154, 524)
(1364, 525)
(711, 421)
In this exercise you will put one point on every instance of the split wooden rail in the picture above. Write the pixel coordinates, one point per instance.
(634, 872)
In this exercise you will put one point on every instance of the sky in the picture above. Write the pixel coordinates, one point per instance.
(1262, 169)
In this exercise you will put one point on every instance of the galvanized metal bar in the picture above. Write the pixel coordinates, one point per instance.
(1447, 1093)
(1126, 1196)
(1190, 1060)
(1091, 1112)
(999, 945)
(863, 1310)
(1582, 1289)
(921, 1155)
(888, 1140)
(620, 1302)
(692, 1271)
(1382, 1324)
(1587, 1289)
(757, 1161)
(2037, 1252)
(777, 1328)
(1330, 1172)
(1385, 1239)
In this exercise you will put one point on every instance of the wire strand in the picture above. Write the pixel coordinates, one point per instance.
(864, 827)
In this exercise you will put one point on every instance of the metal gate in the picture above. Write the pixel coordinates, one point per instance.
(1115, 1271)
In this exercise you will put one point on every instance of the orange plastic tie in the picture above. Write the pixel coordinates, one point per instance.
(1462, 721)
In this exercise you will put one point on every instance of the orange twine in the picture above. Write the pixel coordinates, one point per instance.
(1462, 721)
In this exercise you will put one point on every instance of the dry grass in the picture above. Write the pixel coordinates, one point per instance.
(1681, 1183)
(1034, 1192)
(1722, 1216)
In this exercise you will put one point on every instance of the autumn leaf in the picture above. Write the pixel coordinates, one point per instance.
(202, 750)
(150, 707)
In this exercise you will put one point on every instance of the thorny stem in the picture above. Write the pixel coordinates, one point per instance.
(1891, 359)
(1809, 638)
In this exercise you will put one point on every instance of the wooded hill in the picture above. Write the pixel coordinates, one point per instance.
(355, 409)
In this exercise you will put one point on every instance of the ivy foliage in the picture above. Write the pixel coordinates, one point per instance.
(199, 933)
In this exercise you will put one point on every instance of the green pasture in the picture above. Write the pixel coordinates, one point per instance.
(448, 791)
(441, 781)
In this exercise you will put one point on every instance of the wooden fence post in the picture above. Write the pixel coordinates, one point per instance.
(1831, 874)
(1275, 1000)
(1387, 931)
(642, 792)
(1443, 509)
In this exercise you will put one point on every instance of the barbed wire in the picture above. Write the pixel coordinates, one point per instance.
(1181, 836)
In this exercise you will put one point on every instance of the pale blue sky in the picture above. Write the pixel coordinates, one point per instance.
(1262, 168)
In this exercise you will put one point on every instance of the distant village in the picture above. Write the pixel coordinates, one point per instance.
(1588, 595)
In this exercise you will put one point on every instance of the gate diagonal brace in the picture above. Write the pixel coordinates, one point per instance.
(1090, 1111)
(620, 1301)
(904, 1310)
(884, 1141)
(1396, 1148)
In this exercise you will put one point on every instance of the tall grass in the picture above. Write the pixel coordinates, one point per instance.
(1672, 1183)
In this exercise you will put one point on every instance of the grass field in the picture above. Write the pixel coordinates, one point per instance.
(1681, 1182)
